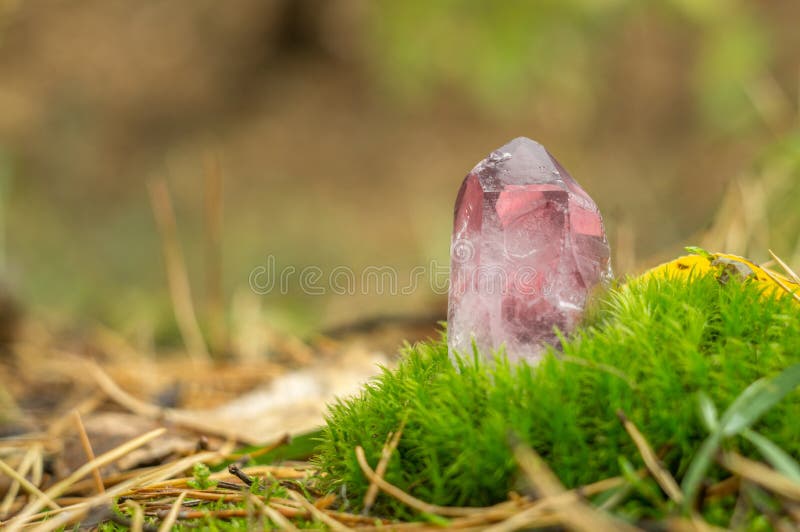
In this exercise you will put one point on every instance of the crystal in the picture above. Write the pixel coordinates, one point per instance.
(528, 248)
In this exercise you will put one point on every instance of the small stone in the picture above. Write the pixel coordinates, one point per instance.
(528, 248)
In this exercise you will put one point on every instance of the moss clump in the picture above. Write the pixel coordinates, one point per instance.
(651, 346)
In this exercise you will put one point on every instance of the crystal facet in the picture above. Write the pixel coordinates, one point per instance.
(528, 247)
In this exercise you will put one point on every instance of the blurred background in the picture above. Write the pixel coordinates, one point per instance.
(337, 133)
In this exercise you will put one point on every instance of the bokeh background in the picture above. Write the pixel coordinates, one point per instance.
(342, 131)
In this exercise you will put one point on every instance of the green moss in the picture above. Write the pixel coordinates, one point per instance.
(649, 350)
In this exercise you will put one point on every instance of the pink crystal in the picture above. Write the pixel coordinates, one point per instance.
(528, 248)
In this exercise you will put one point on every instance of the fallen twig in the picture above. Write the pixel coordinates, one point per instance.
(275, 516)
(762, 475)
(317, 513)
(87, 448)
(13, 489)
(570, 509)
(662, 476)
(789, 271)
(178, 279)
(27, 486)
(172, 516)
(386, 454)
(407, 499)
(234, 470)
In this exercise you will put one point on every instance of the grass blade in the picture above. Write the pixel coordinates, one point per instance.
(745, 410)
(708, 413)
(698, 467)
(777, 457)
(757, 399)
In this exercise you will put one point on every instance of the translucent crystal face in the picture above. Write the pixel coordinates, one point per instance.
(528, 247)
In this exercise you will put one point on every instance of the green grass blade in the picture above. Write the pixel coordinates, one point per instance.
(695, 250)
(708, 413)
(777, 457)
(698, 468)
(745, 410)
(757, 399)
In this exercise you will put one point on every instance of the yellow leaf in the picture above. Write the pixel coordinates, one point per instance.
(725, 266)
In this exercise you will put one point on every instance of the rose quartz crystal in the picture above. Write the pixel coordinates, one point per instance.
(528, 248)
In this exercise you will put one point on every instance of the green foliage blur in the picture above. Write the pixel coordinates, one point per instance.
(500, 53)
